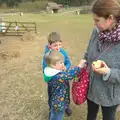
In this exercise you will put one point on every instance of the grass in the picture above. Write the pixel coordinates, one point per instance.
(22, 89)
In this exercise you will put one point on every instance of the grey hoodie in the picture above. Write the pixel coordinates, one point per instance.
(105, 93)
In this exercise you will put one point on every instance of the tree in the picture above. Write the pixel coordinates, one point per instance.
(74, 2)
(10, 3)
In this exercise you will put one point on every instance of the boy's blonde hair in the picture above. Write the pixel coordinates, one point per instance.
(54, 37)
(53, 57)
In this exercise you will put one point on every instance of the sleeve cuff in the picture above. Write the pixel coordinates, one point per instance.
(106, 77)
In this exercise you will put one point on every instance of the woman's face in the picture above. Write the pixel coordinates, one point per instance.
(103, 24)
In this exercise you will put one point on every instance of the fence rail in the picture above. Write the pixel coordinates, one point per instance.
(8, 28)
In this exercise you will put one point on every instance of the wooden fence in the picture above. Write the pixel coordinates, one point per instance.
(15, 28)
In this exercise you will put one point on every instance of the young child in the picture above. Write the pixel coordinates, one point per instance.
(55, 43)
(56, 79)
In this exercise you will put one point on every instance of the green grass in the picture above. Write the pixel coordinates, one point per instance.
(52, 17)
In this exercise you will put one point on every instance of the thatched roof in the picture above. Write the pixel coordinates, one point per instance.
(53, 5)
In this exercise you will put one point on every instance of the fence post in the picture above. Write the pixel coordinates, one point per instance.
(7, 28)
(35, 28)
(18, 28)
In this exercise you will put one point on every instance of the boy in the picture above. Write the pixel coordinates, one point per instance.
(55, 43)
(56, 79)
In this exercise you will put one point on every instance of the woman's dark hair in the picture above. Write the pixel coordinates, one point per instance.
(104, 8)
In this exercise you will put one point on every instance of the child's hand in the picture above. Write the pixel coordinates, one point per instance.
(64, 68)
(82, 63)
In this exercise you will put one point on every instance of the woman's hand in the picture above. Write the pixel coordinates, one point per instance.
(103, 70)
(82, 63)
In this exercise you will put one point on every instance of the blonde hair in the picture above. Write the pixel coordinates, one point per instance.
(54, 37)
(117, 115)
(104, 8)
(53, 57)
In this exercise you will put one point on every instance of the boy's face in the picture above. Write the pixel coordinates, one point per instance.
(59, 65)
(55, 46)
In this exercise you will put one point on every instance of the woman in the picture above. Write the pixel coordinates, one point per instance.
(104, 86)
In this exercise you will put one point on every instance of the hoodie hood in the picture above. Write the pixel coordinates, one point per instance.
(49, 73)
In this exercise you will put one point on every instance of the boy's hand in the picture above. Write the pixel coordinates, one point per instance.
(82, 63)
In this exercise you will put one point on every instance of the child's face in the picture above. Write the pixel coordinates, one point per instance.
(59, 65)
(55, 46)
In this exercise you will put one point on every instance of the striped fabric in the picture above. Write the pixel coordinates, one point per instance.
(111, 36)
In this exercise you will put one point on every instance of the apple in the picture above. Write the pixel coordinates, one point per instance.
(98, 64)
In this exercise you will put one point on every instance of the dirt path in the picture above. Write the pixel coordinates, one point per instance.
(16, 77)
